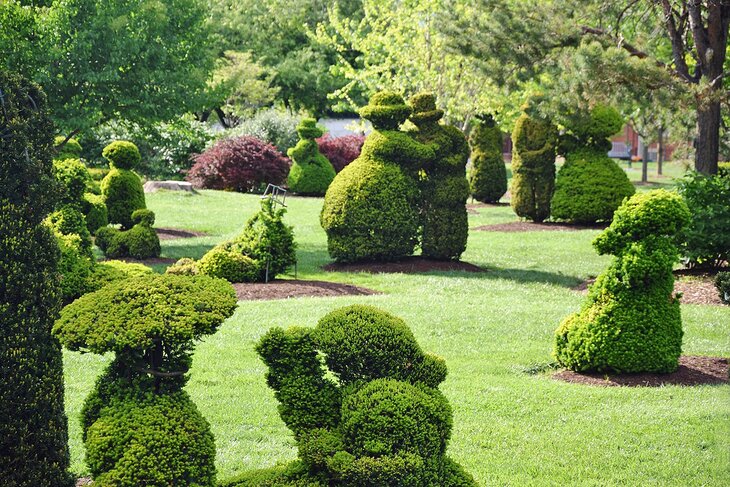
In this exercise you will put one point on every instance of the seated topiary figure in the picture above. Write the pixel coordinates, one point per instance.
(631, 321)
(590, 186)
(533, 167)
(311, 173)
(138, 425)
(140, 241)
(370, 211)
(122, 188)
(488, 176)
(382, 422)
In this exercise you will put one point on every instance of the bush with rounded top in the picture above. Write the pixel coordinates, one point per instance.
(121, 188)
(70, 150)
(311, 173)
(340, 151)
(93, 207)
(631, 320)
(488, 176)
(184, 267)
(122, 154)
(109, 271)
(244, 164)
(74, 176)
(722, 283)
(69, 221)
(225, 262)
(140, 241)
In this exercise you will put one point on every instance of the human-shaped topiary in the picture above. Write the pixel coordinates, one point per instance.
(140, 241)
(533, 167)
(71, 149)
(488, 176)
(122, 188)
(443, 186)
(631, 320)
(590, 186)
(138, 425)
(311, 173)
(370, 210)
(373, 416)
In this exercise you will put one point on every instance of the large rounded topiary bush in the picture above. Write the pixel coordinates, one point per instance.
(121, 187)
(488, 176)
(311, 173)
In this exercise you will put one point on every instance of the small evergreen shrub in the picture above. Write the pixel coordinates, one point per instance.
(243, 164)
(722, 283)
(184, 267)
(70, 150)
(631, 320)
(488, 176)
(122, 188)
(311, 173)
(110, 271)
(140, 241)
(94, 208)
(225, 262)
(68, 220)
(340, 151)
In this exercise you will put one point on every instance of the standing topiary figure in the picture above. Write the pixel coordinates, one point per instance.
(444, 188)
(122, 188)
(488, 176)
(311, 173)
(370, 211)
(631, 321)
(139, 427)
(590, 186)
(381, 422)
(533, 167)
(33, 427)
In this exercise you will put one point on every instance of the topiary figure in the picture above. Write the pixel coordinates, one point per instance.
(488, 176)
(631, 320)
(75, 178)
(139, 426)
(95, 210)
(590, 186)
(33, 426)
(122, 188)
(70, 150)
(533, 167)
(140, 241)
(374, 416)
(370, 211)
(443, 185)
(311, 173)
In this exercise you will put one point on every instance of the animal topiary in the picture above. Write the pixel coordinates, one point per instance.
(533, 167)
(590, 186)
(374, 416)
(122, 188)
(631, 321)
(140, 241)
(488, 177)
(370, 210)
(444, 188)
(311, 173)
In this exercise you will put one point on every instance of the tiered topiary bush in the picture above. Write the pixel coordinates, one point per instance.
(444, 188)
(340, 151)
(533, 167)
(311, 173)
(140, 241)
(370, 211)
(488, 176)
(631, 320)
(380, 422)
(139, 427)
(122, 188)
(33, 426)
(590, 186)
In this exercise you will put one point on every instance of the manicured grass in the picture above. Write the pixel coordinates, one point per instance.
(512, 426)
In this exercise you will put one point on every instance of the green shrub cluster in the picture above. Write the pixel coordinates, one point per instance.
(723, 169)
(533, 167)
(370, 210)
(70, 150)
(381, 419)
(631, 320)
(33, 426)
(590, 186)
(488, 177)
(311, 173)
(95, 210)
(122, 188)
(139, 426)
(76, 181)
(140, 241)
(722, 283)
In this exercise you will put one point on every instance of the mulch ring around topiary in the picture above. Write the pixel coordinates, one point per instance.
(692, 371)
(525, 226)
(294, 288)
(174, 233)
(408, 265)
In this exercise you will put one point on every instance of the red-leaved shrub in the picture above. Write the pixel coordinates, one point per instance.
(244, 164)
(340, 151)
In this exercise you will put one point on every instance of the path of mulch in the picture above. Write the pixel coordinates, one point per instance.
(173, 233)
(409, 265)
(537, 227)
(285, 289)
(692, 371)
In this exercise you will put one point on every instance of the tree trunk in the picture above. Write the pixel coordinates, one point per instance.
(660, 151)
(645, 163)
(708, 138)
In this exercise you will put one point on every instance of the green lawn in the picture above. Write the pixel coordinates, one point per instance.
(511, 427)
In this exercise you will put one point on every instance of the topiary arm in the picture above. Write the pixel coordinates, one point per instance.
(647, 261)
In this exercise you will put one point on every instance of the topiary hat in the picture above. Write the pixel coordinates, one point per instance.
(308, 129)
(386, 110)
(424, 108)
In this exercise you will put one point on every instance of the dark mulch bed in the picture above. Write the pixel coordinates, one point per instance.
(692, 371)
(537, 227)
(409, 265)
(173, 233)
(285, 289)
(153, 261)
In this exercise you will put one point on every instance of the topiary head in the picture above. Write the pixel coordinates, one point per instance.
(424, 109)
(74, 176)
(386, 110)
(70, 150)
(143, 217)
(600, 123)
(122, 154)
(308, 129)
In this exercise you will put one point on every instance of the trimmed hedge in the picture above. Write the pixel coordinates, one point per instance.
(488, 177)
(311, 173)
(140, 241)
(122, 188)
(631, 320)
